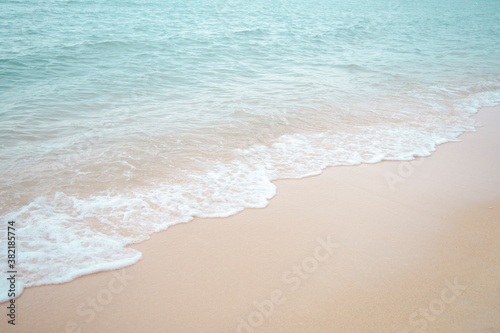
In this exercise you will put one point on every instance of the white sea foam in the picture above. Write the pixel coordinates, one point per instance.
(64, 237)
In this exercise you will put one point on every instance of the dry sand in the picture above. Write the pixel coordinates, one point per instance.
(422, 253)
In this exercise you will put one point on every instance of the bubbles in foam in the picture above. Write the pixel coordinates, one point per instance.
(63, 237)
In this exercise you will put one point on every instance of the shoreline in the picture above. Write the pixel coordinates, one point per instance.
(394, 246)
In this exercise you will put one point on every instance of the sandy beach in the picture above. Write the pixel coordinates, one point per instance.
(388, 247)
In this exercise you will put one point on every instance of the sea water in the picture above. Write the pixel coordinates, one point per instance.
(121, 118)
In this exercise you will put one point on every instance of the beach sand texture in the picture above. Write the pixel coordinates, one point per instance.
(387, 247)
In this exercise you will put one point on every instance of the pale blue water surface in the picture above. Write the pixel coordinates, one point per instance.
(120, 118)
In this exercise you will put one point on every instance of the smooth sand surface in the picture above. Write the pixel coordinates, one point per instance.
(387, 247)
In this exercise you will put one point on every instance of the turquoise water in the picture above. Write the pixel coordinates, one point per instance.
(121, 118)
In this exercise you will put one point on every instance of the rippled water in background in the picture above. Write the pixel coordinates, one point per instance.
(120, 118)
